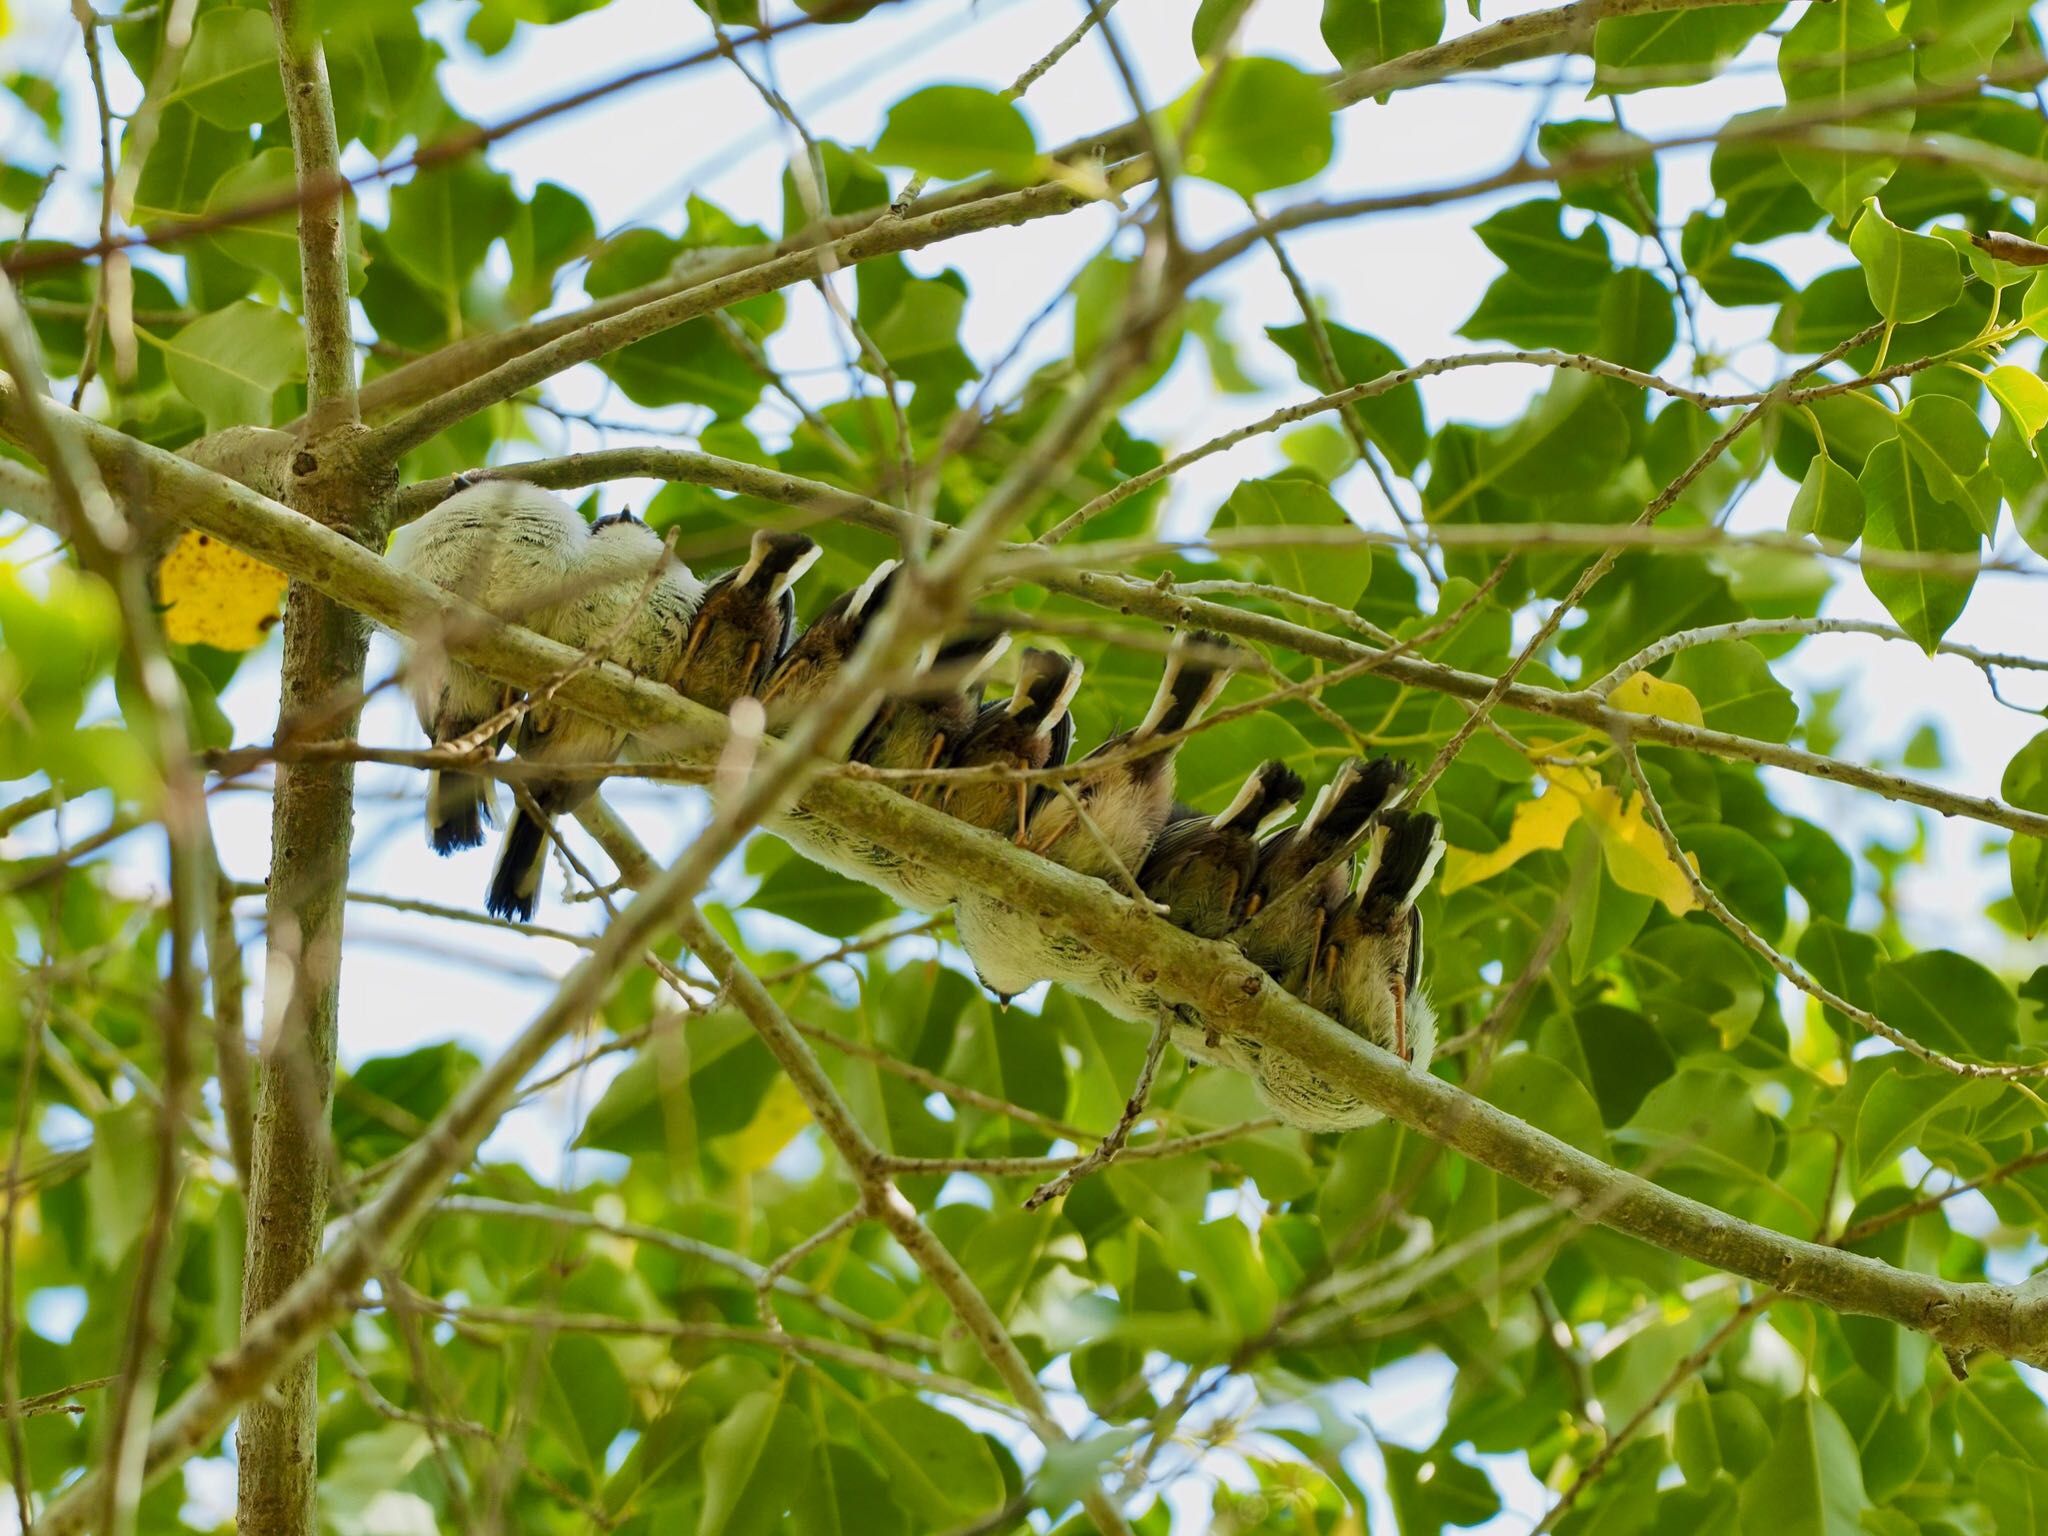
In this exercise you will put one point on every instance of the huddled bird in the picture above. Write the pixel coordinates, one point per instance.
(1326, 906)
(631, 601)
(1367, 973)
(808, 666)
(745, 622)
(917, 727)
(1031, 729)
(1287, 909)
(511, 549)
(1128, 797)
(1201, 868)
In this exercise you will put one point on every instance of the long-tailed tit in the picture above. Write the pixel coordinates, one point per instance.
(633, 602)
(511, 549)
(1201, 867)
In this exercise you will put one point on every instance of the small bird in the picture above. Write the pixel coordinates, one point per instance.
(918, 727)
(745, 622)
(807, 668)
(1129, 799)
(1031, 729)
(1285, 913)
(509, 548)
(1201, 867)
(633, 601)
(1368, 975)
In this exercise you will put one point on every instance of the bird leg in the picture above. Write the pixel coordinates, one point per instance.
(931, 761)
(1023, 800)
(1400, 990)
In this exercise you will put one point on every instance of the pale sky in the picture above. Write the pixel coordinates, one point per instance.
(1410, 279)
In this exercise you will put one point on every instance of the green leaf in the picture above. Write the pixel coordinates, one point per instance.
(586, 1400)
(230, 76)
(1903, 517)
(1948, 445)
(2016, 1492)
(1954, 40)
(957, 131)
(940, 1471)
(1910, 277)
(1264, 124)
(753, 1465)
(1434, 1489)
(806, 893)
(1947, 1001)
(1393, 420)
(846, 1495)
(1811, 1484)
(1829, 505)
(118, 1179)
(1362, 33)
(1638, 319)
(1736, 690)
(1834, 56)
(444, 220)
(1840, 959)
(1707, 247)
(1530, 241)
(1639, 53)
(270, 244)
(1628, 193)
(1336, 573)
(187, 160)
(232, 362)
(2025, 785)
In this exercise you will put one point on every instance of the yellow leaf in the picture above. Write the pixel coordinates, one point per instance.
(775, 1124)
(1647, 695)
(1539, 824)
(215, 595)
(1635, 855)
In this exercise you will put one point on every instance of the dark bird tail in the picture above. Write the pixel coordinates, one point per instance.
(458, 809)
(1362, 789)
(1046, 681)
(1190, 684)
(1272, 788)
(963, 660)
(1406, 848)
(522, 858)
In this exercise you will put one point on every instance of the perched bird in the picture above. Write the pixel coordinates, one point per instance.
(807, 668)
(509, 548)
(918, 727)
(631, 601)
(1201, 867)
(1031, 729)
(744, 623)
(1129, 798)
(1286, 911)
(1368, 974)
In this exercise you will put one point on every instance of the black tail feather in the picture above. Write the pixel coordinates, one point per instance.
(1406, 861)
(1190, 685)
(515, 883)
(458, 810)
(1045, 687)
(1359, 797)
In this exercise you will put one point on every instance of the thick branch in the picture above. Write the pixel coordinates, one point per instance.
(323, 234)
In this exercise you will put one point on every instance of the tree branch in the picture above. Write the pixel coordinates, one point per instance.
(323, 234)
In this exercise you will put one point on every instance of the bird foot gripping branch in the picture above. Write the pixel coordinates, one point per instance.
(1338, 931)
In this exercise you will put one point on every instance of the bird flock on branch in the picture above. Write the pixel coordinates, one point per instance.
(1325, 905)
